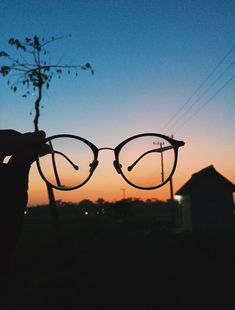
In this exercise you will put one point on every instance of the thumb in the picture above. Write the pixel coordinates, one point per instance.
(28, 155)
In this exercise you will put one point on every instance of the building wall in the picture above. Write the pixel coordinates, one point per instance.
(211, 207)
(185, 212)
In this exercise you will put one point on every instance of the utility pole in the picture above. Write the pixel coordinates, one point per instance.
(171, 181)
(172, 200)
(171, 189)
(123, 193)
(162, 162)
(171, 184)
(162, 167)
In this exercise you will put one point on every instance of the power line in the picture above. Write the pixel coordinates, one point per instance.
(205, 103)
(204, 93)
(200, 86)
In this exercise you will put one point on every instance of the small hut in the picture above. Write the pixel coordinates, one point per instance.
(206, 202)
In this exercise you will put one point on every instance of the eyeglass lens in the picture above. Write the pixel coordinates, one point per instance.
(69, 163)
(147, 161)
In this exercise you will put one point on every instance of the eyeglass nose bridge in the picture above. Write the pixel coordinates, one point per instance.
(116, 164)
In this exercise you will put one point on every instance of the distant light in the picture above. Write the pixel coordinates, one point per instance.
(86, 213)
(98, 213)
(25, 212)
(178, 198)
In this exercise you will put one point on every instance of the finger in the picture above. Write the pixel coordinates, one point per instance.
(28, 155)
(45, 149)
(12, 141)
(33, 138)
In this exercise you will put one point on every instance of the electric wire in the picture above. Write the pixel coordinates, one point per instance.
(203, 94)
(199, 87)
(204, 104)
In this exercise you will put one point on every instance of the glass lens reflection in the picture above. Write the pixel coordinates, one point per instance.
(69, 163)
(147, 161)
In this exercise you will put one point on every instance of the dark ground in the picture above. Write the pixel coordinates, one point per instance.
(119, 265)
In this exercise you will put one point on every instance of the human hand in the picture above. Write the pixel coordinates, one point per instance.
(24, 150)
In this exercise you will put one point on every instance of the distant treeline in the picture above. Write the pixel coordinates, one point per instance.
(131, 208)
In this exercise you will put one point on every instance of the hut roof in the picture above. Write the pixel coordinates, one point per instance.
(203, 175)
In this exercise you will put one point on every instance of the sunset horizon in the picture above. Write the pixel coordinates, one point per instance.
(145, 67)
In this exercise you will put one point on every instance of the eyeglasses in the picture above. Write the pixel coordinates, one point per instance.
(145, 161)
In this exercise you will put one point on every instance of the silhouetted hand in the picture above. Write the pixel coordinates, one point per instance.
(24, 150)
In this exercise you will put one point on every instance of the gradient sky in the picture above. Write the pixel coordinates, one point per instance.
(149, 58)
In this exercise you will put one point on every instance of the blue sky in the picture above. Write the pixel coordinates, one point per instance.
(149, 57)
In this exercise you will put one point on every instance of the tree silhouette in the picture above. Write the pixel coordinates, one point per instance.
(30, 68)
(33, 70)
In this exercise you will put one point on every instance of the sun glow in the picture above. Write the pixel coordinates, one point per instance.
(72, 162)
(105, 183)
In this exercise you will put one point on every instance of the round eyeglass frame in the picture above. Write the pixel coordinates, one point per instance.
(174, 143)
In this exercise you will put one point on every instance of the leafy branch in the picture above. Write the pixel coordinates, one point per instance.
(34, 71)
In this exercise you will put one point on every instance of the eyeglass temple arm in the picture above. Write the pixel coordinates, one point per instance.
(159, 150)
(69, 160)
(53, 152)
(54, 165)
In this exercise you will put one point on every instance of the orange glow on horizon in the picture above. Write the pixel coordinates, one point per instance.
(105, 184)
